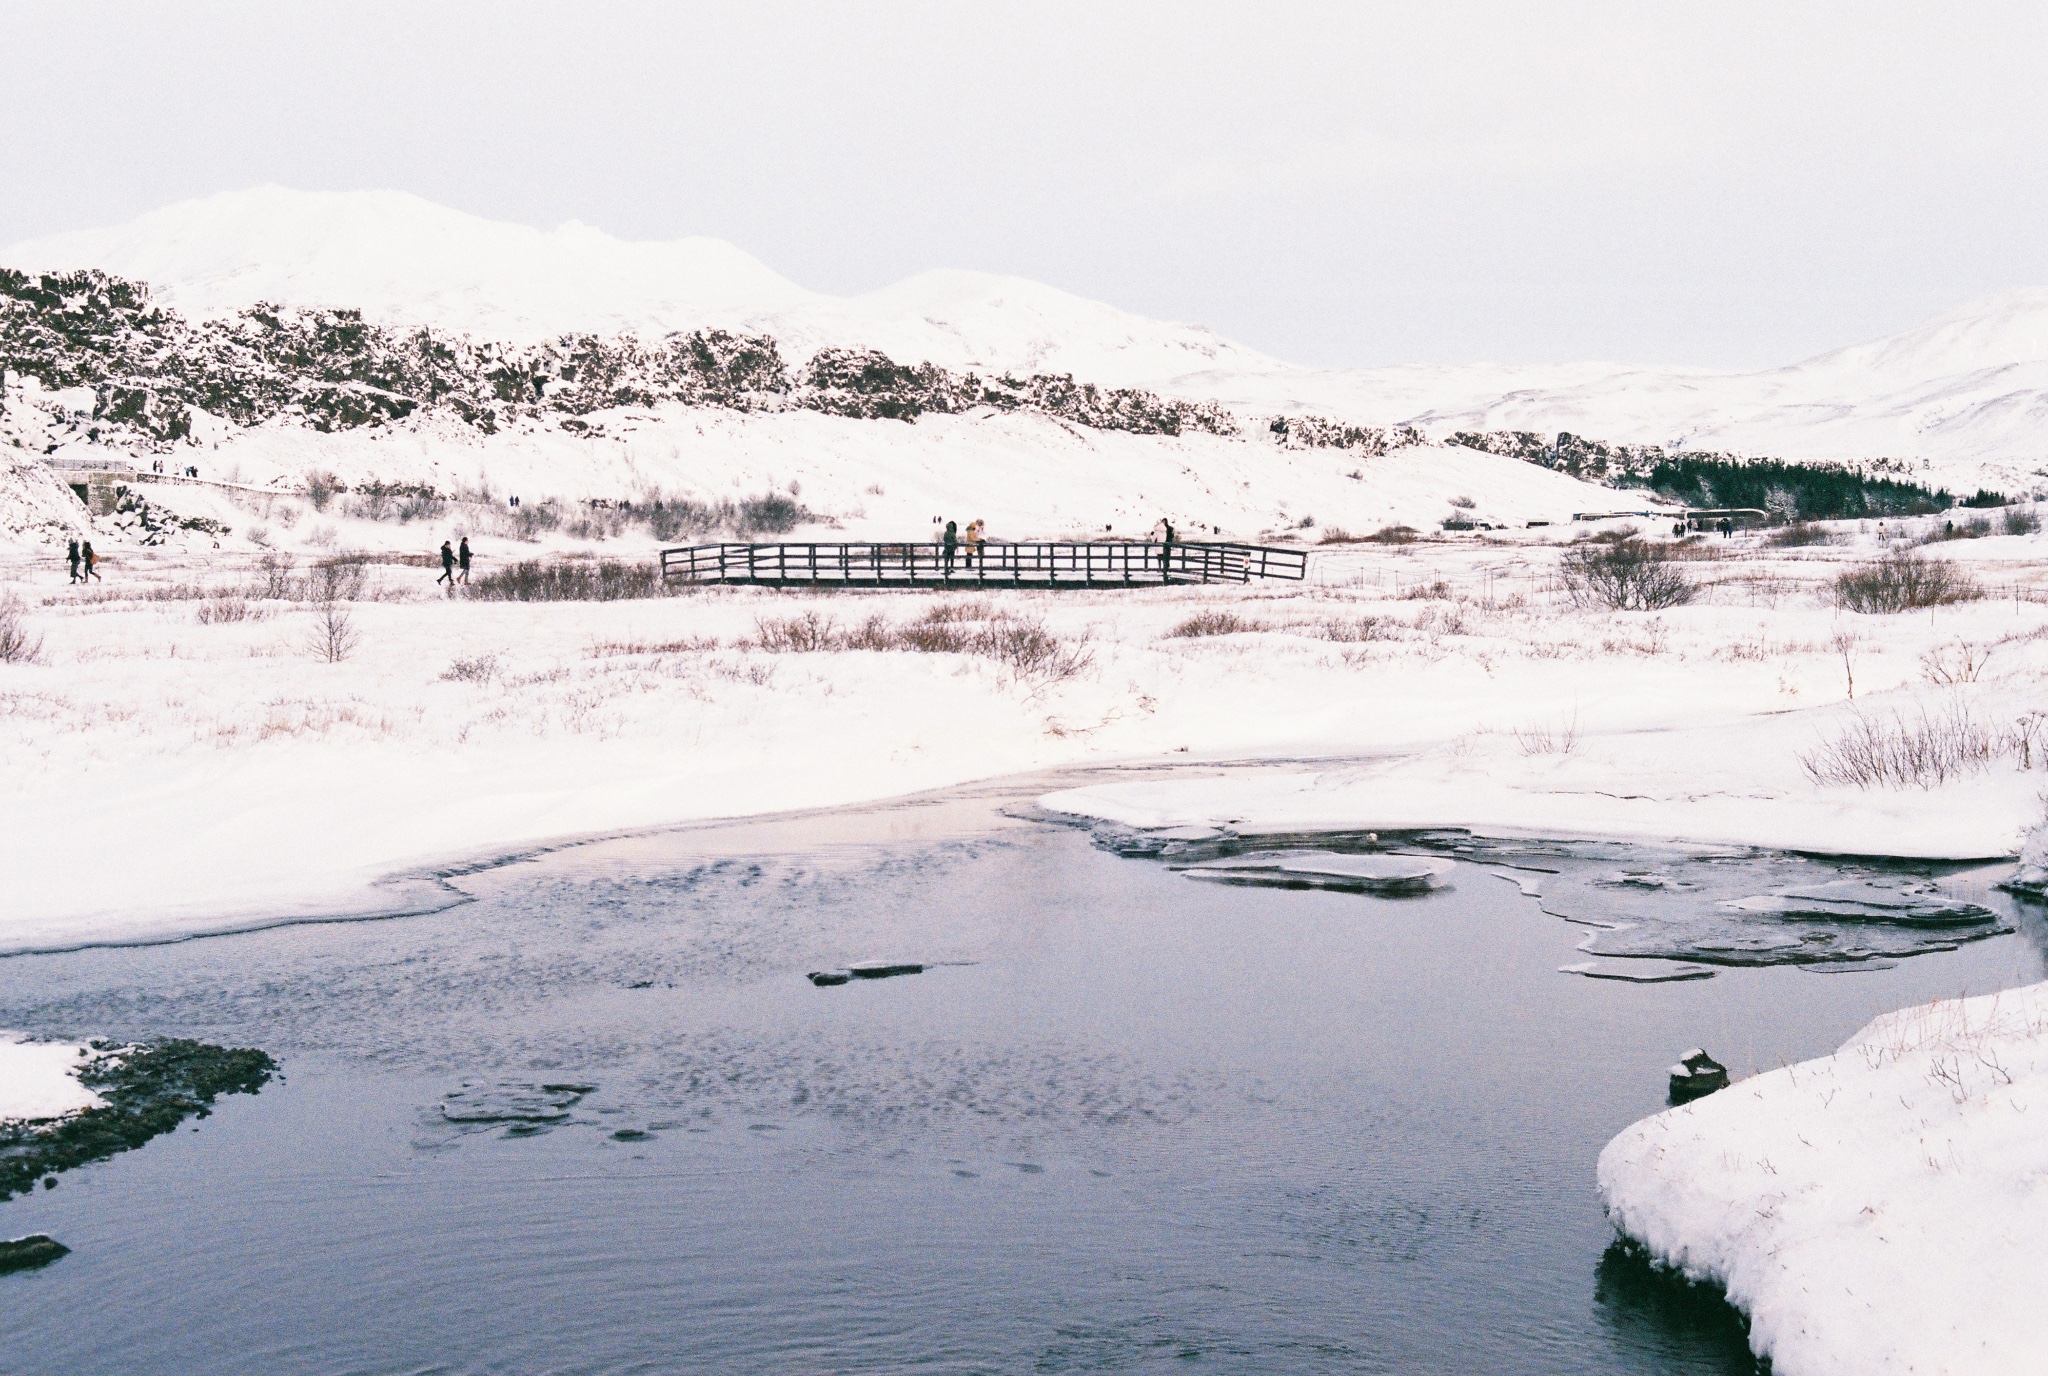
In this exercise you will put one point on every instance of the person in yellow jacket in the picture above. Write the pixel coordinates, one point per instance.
(974, 528)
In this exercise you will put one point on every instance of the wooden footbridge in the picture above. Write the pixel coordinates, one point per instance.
(1090, 564)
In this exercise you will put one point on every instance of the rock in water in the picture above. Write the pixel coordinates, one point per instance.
(1695, 1076)
(1385, 875)
(824, 978)
(28, 1253)
(883, 969)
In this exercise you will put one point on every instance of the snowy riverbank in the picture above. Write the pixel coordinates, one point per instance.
(1873, 1212)
(39, 1080)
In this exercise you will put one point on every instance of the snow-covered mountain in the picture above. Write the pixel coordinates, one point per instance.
(405, 261)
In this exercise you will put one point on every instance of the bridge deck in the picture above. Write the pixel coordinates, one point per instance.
(1088, 564)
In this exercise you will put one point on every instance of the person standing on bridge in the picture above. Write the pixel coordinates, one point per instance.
(462, 559)
(447, 566)
(974, 529)
(950, 542)
(1165, 546)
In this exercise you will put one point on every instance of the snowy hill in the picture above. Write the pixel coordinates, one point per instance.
(404, 261)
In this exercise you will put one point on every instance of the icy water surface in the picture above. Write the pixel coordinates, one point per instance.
(600, 1121)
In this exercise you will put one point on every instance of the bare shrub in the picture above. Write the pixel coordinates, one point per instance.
(340, 578)
(321, 487)
(1969, 528)
(1561, 739)
(770, 514)
(274, 581)
(1351, 630)
(1625, 575)
(1428, 592)
(2020, 520)
(1024, 645)
(1394, 535)
(533, 580)
(1800, 534)
(1218, 622)
(1900, 581)
(334, 635)
(1948, 665)
(1893, 751)
(1463, 503)
(18, 643)
(224, 610)
(805, 634)
(471, 669)
(1337, 535)
(420, 506)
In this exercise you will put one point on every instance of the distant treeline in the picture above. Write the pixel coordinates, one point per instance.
(1789, 491)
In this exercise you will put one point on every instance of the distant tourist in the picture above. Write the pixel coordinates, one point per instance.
(462, 559)
(974, 529)
(447, 565)
(1165, 545)
(951, 541)
(92, 562)
(73, 554)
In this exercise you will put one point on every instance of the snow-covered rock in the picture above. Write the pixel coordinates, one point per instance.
(1876, 1211)
(39, 1080)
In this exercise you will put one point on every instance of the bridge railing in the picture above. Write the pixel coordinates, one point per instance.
(1053, 563)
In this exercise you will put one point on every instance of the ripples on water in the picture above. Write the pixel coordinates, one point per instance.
(599, 1121)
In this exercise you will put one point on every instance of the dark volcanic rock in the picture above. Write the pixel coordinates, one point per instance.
(1695, 1076)
(148, 1090)
(28, 1253)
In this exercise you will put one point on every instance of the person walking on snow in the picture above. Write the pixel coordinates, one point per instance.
(951, 542)
(72, 554)
(462, 559)
(92, 562)
(447, 566)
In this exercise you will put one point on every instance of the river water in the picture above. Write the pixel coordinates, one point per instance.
(1126, 1122)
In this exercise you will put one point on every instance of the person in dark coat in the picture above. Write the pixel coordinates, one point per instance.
(462, 559)
(1166, 547)
(92, 562)
(72, 554)
(447, 565)
(951, 542)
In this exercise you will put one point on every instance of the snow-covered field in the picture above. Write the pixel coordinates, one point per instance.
(171, 769)
(1876, 1211)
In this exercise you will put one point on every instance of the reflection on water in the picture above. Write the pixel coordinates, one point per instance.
(599, 1120)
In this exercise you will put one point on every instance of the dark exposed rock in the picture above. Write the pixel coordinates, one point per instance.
(29, 1253)
(1695, 1076)
(877, 969)
(148, 1090)
(518, 1104)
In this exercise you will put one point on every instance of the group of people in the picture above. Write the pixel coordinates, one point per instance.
(189, 471)
(85, 565)
(453, 560)
(952, 539)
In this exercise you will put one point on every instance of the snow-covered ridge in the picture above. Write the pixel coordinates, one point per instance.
(1962, 400)
(406, 262)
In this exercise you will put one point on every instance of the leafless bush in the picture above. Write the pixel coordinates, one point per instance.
(1969, 528)
(1948, 665)
(2020, 520)
(1394, 535)
(420, 506)
(1218, 622)
(18, 643)
(1800, 534)
(1427, 592)
(1900, 581)
(1561, 739)
(1625, 575)
(1351, 630)
(274, 581)
(471, 669)
(321, 487)
(340, 578)
(1891, 751)
(1022, 644)
(533, 580)
(224, 610)
(334, 635)
(1337, 535)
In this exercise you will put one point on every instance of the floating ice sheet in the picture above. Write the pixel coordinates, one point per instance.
(1677, 911)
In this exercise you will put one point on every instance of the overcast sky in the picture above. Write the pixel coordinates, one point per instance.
(1723, 184)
